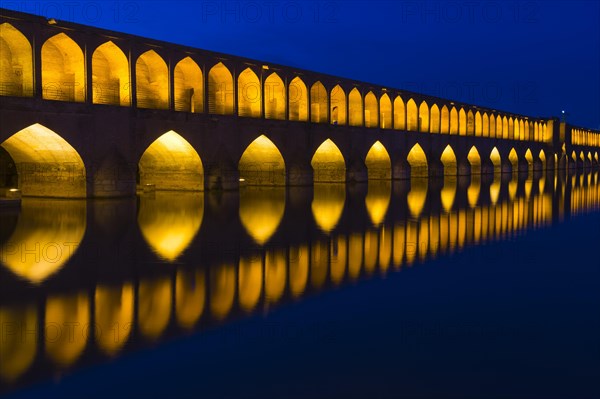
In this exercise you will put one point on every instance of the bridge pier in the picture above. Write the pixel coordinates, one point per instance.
(222, 177)
(401, 169)
(464, 167)
(357, 172)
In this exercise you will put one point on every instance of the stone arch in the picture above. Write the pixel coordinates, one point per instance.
(188, 86)
(399, 114)
(470, 123)
(542, 158)
(152, 81)
(16, 63)
(418, 162)
(496, 160)
(262, 164)
(445, 120)
(412, 116)
(171, 163)
(453, 121)
(513, 158)
(338, 105)
(298, 100)
(220, 90)
(424, 117)
(110, 75)
(355, 108)
(474, 160)
(371, 110)
(46, 164)
(63, 70)
(318, 103)
(249, 94)
(529, 159)
(328, 163)
(449, 161)
(478, 125)
(434, 123)
(385, 111)
(275, 102)
(379, 165)
(485, 125)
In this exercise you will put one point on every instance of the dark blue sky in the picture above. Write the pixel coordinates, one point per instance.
(530, 57)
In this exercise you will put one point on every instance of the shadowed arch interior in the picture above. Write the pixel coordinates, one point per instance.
(171, 163)
(379, 165)
(262, 164)
(63, 71)
(16, 63)
(110, 75)
(328, 163)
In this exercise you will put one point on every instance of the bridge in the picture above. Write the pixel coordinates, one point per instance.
(91, 113)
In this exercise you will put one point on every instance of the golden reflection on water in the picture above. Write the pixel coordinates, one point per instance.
(113, 316)
(474, 190)
(47, 234)
(190, 294)
(378, 199)
(417, 195)
(328, 204)
(154, 306)
(17, 350)
(250, 281)
(67, 317)
(222, 283)
(448, 192)
(261, 210)
(169, 221)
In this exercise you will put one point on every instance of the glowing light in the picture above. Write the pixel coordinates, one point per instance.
(328, 163)
(222, 293)
(63, 71)
(261, 211)
(18, 350)
(110, 75)
(152, 81)
(328, 204)
(74, 310)
(16, 78)
(262, 163)
(379, 165)
(190, 294)
(250, 281)
(378, 200)
(154, 306)
(113, 309)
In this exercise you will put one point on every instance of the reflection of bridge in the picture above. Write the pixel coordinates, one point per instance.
(85, 110)
(132, 301)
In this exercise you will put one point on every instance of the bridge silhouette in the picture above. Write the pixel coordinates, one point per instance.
(88, 112)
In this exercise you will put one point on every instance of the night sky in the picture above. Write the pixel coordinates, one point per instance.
(530, 57)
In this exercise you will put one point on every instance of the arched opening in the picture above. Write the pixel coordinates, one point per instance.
(412, 116)
(171, 163)
(379, 165)
(262, 164)
(513, 158)
(46, 164)
(170, 221)
(328, 204)
(338, 106)
(318, 103)
(478, 127)
(424, 117)
(453, 121)
(261, 210)
(445, 120)
(16, 63)
(113, 306)
(542, 156)
(298, 100)
(110, 75)
(328, 163)
(249, 94)
(462, 122)
(418, 162)
(385, 111)
(485, 126)
(496, 160)
(474, 160)
(448, 159)
(152, 81)
(355, 108)
(371, 110)
(529, 159)
(399, 114)
(511, 128)
(499, 124)
(434, 123)
(220, 90)
(190, 295)
(470, 123)
(418, 180)
(274, 97)
(63, 70)
(67, 310)
(505, 130)
(154, 306)
(188, 86)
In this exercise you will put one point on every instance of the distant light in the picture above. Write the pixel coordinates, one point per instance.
(242, 179)
(51, 21)
(563, 111)
(265, 67)
(13, 190)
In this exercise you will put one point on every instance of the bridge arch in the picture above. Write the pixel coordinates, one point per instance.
(318, 103)
(496, 160)
(298, 100)
(378, 162)
(399, 114)
(445, 120)
(505, 128)
(328, 163)
(448, 159)
(453, 121)
(171, 163)
(418, 162)
(424, 117)
(371, 110)
(478, 125)
(338, 105)
(385, 111)
(412, 116)
(16, 63)
(529, 159)
(462, 122)
(434, 123)
(46, 164)
(63, 70)
(262, 164)
(513, 158)
(470, 123)
(474, 160)
(542, 157)
(110, 75)
(152, 81)
(220, 90)
(485, 128)
(355, 108)
(188, 86)
(274, 92)
(249, 94)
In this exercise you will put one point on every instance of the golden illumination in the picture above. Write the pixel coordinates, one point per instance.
(222, 290)
(188, 86)
(495, 190)
(298, 100)
(417, 196)
(328, 163)
(338, 106)
(399, 114)
(412, 116)
(262, 163)
(152, 81)
(448, 193)
(462, 122)
(474, 160)
(496, 160)
(154, 306)
(385, 248)
(16, 64)
(63, 71)
(399, 241)
(355, 108)
(423, 117)
(261, 211)
(371, 251)
(319, 259)
(190, 294)
(275, 101)
(275, 275)
(249, 94)
(378, 200)
(371, 110)
(65, 344)
(474, 190)
(171, 163)
(445, 120)
(250, 281)
(318, 103)
(434, 125)
(18, 350)
(338, 259)
(59, 170)
(113, 315)
(328, 204)
(385, 111)
(298, 257)
(513, 159)
(355, 255)
(418, 162)
(169, 221)
(448, 159)
(379, 165)
(220, 90)
(110, 75)
(47, 234)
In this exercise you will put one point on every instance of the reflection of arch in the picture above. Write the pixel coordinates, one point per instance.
(298, 100)
(474, 160)
(171, 163)
(448, 159)
(399, 114)
(328, 204)
(222, 290)
(371, 110)
(418, 162)
(412, 116)
(66, 310)
(154, 306)
(188, 86)
(18, 350)
(220, 90)
(417, 196)
(298, 269)
(190, 294)
(379, 165)
(152, 81)
(249, 281)
(423, 117)
(262, 164)
(338, 106)
(275, 274)
(16, 64)
(385, 111)
(113, 309)
(170, 221)
(261, 211)
(63, 71)
(328, 163)
(249, 94)
(338, 259)
(318, 103)
(274, 97)
(434, 125)
(110, 75)
(355, 108)
(378, 200)
(448, 193)
(47, 165)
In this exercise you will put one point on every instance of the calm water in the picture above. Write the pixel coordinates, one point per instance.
(469, 287)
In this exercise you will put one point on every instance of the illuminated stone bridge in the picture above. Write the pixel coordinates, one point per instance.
(87, 112)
